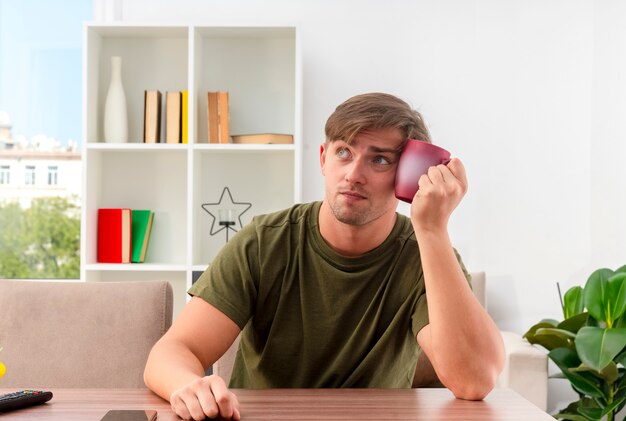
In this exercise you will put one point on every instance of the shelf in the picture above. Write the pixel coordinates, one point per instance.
(140, 267)
(260, 68)
(137, 146)
(215, 147)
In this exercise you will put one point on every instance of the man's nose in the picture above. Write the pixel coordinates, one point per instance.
(356, 172)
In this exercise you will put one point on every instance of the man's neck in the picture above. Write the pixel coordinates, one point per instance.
(353, 240)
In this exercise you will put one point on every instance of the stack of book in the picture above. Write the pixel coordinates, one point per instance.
(123, 235)
(176, 116)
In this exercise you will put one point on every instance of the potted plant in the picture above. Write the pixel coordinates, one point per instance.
(589, 345)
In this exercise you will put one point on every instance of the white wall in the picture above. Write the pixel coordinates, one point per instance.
(530, 94)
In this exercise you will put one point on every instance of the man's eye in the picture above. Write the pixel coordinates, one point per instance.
(343, 153)
(381, 160)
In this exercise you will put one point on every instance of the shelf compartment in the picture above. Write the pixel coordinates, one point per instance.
(136, 179)
(263, 179)
(257, 67)
(153, 58)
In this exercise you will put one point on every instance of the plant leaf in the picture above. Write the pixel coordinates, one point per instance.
(548, 341)
(574, 323)
(535, 327)
(595, 293)
(570, 417)
(594, 414)
(571, 412)
(617, 295)
(621, 386)
(610, 407)
(609, 373)
(621, 358)
(561, 333)
(573, 303)
(566, 358)
(597, 347)
(592, 409)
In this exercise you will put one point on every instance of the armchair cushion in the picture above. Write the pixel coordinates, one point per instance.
(80, 334)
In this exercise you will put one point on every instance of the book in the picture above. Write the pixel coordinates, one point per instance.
(152, 117)
(184, 116)
(217, 113)
(263, 138)
(172, 116)
(141, 229)
(222, 99)
(212, 117)
(114, 235)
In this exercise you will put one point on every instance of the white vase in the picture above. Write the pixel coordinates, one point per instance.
(115, 116)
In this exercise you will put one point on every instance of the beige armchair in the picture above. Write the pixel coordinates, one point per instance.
(525, 370)
(80, 334)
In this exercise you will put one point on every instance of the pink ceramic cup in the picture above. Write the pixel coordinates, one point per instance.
(416, 158)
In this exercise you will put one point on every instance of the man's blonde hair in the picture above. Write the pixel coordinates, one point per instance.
(375, 111)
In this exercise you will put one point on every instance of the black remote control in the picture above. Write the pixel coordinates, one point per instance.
(23, 398)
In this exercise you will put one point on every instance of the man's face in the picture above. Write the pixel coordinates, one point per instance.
(360, 176)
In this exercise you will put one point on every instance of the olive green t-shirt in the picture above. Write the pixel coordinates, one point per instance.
(311, 317)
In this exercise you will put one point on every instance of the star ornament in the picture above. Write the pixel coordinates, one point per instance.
(226, 207)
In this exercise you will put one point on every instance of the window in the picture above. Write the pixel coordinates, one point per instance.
(29, 175)
(40, 137)
(5, 174)
(52, 175)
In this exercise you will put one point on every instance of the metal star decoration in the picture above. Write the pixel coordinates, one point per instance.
(225, 224)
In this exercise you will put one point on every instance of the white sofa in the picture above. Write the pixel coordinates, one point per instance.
(525, 370)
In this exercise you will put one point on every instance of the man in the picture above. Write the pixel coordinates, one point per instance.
(339, 293)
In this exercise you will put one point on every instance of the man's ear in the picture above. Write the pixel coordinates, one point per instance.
(322, 156)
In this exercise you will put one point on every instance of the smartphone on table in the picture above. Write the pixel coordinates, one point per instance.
(130, 415)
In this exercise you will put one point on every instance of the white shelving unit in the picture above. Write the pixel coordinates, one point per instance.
(259, 67)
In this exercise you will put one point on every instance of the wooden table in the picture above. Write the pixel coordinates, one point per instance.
(297, 404)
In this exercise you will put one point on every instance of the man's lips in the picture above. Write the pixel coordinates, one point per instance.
(352, 194)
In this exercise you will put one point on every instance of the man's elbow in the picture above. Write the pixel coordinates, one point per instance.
(476, 388)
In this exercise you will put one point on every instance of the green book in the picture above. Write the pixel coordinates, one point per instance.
(142, 225)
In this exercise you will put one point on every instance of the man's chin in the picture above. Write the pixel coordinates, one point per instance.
(350, 216)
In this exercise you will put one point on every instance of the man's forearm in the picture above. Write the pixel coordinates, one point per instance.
(171, 366)
(466, 346)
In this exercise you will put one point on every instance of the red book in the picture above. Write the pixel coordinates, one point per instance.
(114, 235)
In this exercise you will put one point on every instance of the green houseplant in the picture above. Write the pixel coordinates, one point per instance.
(589, 345)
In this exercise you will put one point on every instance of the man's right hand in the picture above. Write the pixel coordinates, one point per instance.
(205, 397)
(175, 369)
